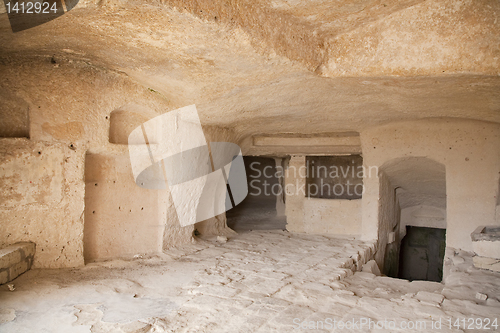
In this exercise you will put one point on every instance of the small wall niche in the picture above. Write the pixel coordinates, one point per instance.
(125, 119)
(334, 177)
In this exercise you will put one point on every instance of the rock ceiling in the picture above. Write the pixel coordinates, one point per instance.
(263, 67)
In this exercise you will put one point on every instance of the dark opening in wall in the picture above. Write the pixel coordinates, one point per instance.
(334, 177)
(14, 115)
(422, 254)
(258, 210)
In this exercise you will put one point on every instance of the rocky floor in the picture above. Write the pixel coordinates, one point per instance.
(260, 281)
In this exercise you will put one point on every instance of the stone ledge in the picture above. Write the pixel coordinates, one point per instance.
(15, 260)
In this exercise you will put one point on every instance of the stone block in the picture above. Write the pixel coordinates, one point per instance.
(371, 267)
(481, 296)
(28, 249)
(15, 260)
(9, 256)
(18, 269)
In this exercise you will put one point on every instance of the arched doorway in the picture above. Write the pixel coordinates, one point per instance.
(419, 186)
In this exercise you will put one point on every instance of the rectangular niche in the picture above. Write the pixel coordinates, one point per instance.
(334, 177)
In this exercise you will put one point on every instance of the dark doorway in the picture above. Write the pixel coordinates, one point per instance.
(422, 254)
(258, 210)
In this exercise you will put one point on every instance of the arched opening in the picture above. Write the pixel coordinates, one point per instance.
(264, 206)
(125, 119)
(416, 247)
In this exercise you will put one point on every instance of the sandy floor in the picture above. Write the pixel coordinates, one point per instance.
(261, 281)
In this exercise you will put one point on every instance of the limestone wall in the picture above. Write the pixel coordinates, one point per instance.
(121, 218)
(47, 180)
(15, 260)
(313, 215)
(42, 200)
(332, 216)
(423, 216)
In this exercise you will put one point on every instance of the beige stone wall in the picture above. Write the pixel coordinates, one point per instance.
(121, 218)
(43, 178)
(15, 260)
(216, 225)
(43, 187)
(469, 151)
(498, 204)
(42, 200)
(317, 216)
(423, 216)
(332, 216)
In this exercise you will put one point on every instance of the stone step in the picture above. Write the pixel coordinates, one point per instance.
(15, 259)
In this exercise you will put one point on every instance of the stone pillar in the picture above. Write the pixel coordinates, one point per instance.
(370, 206)
(295, 185)
(280, 197)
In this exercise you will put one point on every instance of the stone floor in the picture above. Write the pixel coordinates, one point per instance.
(260, 281)
(255, 214)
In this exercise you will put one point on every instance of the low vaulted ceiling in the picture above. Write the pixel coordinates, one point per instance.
(262, 67)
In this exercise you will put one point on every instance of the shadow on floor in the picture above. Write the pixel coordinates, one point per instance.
(255, 214)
